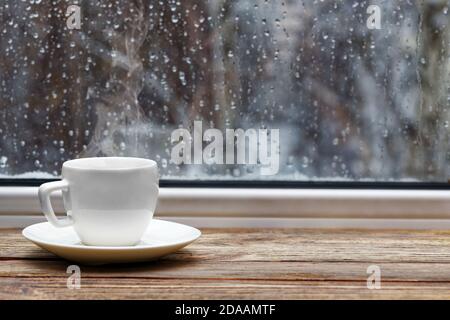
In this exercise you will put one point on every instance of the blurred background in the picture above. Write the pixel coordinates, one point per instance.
(351, 103)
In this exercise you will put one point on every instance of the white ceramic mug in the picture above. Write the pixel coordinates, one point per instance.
(109, 201)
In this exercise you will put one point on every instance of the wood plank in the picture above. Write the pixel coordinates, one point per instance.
(178, 269)
(288, 245)
(101, 288)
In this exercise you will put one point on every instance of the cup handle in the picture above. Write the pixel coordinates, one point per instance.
(44, 197)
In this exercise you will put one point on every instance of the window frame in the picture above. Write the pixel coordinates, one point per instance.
(278, 201)
(264, 184)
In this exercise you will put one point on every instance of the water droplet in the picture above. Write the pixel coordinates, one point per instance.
(182, 78)
(305, 162)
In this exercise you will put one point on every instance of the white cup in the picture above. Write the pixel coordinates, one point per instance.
(109, 201)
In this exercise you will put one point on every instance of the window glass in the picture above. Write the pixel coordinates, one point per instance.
(294, 90)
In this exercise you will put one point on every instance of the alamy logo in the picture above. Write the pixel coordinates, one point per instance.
(374, 20)
(73, 15)
(74, 280)
(374, 279)
(252, 147)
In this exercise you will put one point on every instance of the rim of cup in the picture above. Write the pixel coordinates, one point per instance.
(110, 163)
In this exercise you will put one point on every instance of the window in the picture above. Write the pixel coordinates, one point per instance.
(322, 90)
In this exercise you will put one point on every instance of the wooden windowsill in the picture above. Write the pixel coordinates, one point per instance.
(247, 264)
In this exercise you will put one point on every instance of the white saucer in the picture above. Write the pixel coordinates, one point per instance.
(160, 239)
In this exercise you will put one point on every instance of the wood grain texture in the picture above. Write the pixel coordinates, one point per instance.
(247, 264)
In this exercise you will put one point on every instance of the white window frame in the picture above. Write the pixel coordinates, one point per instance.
(251, 207)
